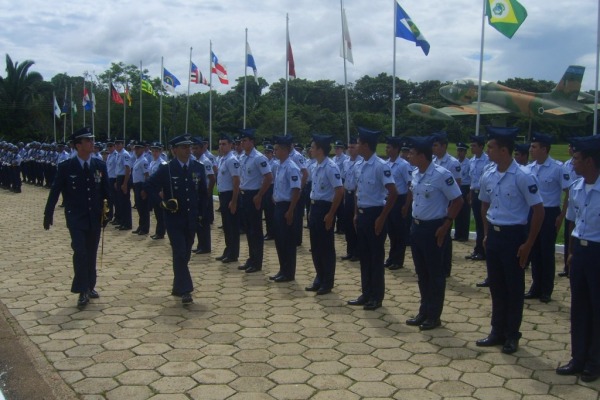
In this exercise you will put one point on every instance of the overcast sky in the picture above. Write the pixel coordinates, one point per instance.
(78, 36)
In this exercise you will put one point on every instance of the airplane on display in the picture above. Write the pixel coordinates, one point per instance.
(564, 104)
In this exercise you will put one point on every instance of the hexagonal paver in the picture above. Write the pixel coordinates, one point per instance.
(173, 384)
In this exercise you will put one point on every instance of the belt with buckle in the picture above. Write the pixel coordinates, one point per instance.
(350, 191)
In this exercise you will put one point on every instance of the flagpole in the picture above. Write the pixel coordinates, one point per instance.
(287, 59)
(595, 132)
(480, 71)
(82, 104)
(71, 91)
(394, 71)
(210, 96)
(162, 77)
(245, 75)
(65, 120)
(187, 106)
(54, 113)
(345, 73)
(125, 112)
(141, 78)
(108, 107)
(93, 99)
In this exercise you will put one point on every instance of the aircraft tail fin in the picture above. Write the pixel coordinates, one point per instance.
(569, 86)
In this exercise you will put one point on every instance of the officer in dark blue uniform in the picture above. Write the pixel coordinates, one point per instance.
(508, 193)
(325, 197)
(83, 182)
(375, 197)
(183, 184)
(437, 200)
(286, 195)
(584, 252)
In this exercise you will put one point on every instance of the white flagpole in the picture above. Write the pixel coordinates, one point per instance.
(125, 112)
(342, 12)
(141, 79)
(162, 77)
(108, 107)
(287, 58)
(93, 99)
(245, 75)
(480, 71)
(71, 90)
(210, 73)
(54, 114)
(597, 66)
(394, 72)
(187, 105)
(83, 111)
(65, 120)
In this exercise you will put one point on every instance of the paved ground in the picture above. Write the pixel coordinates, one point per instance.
(248, 338)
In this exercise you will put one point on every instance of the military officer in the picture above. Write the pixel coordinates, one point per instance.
(522, 153)
(584, 252)
(122, 185)
(203, 229)
(437, 200)
(349, 179)
(325, 197)
(255, 180)
(157, 161)
(477, 165)
(299, 159)
(375, 197)
(83, 182)
(339, 158)
(286, 195)
(508, 195)
(463, 219)
(268, 205)
(568, 224)
(139, 174)
(183, 184)
(552, 181)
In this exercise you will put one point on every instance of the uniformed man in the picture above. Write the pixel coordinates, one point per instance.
(286, 194)
(349, 179)
(584, 209)
(157, 161)
(183, 184)
(443, 159)
(255, 180)
(122, 186)
(401, 171)
(325, 197)
(568, 225)
(339, 158)
(508, 195)
(83, 182)
(298, 158)
(522, 153)
(228, 185)
(311, 163)
(463, 219)
(139, 174)
(203, 229)
(436, 201)
(375, 197)
(553, 180)
(268, 205)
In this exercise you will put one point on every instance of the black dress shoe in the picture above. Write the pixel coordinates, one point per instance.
(346, 257)
(273, 277)
(268, 237)
(323, 291)
(92, 294)
(484, 283)
(388, 263)
(124, 228)
(569, 369)
(530, 295)
(470, 256)
(478, 257)
(354, 259)
(395, 267)
(157, 237)
(360, 301)
(491, 340)
(186, 298)
(283, 278)
(563, 274)
(220, 258)
(201, 251)
(243, 267)
(372, 305)
(228, 260)
(416, 321)
(589, 375)
(136, 231)
(510, 346)
(251, 270)
(312, 288)
(142, 233)
(83, 300)
(545, 298)
(430, 324)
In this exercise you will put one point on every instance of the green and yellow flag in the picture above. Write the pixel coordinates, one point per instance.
(147, 87)
(506, 16)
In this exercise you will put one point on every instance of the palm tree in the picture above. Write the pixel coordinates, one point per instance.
(18, 91)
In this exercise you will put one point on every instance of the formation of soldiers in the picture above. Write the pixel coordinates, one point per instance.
(414, 198)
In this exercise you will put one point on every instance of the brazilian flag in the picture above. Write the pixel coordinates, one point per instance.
(506, 16)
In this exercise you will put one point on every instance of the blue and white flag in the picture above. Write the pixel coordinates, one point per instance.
(250, 59)
(406, 29)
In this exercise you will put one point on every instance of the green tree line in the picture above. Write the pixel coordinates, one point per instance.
(26, 106)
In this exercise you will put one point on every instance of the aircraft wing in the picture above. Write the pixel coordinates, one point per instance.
(446, 113)
(564, 110)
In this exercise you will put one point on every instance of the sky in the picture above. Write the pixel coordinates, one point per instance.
(74, 37)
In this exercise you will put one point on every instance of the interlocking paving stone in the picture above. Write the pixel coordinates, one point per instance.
(248, 338)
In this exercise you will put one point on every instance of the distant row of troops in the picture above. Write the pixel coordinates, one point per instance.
(517, 210)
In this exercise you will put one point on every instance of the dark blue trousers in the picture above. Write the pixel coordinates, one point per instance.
(429, 266)
(371, 252)
(159, 214)
(543, 259)
(269, 209)
(254, 230)
(113, 209)
(585, 304)
(231, 226)
(84, 243)
(123, 200)
(322, 245)
(506, 278)
(285, 240)
(349, 230)
(182, 240)
(397, 232)
(463, 219)
(476, 207)
(142, 208)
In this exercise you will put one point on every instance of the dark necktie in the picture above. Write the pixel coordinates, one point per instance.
(184, 169)
(86, 169)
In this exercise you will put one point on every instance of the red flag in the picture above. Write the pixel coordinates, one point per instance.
(290, 59)
(115, 95)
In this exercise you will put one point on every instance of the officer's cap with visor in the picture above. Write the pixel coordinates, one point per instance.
(479, 139)
(85, 132)
(283, 140)
(541, 138)
(522, 148)
(368, 135)
(421, 143)
(249, 133)
(461, 146)
(586, 144)
(494, 132)
(156, 145)
(322, 140)
(181, 140)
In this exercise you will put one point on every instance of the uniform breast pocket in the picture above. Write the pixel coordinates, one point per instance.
(510, 197)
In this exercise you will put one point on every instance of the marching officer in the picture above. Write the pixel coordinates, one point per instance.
(508, 195)
(584, 252)
(325, 197)
(375, 197)
(139, 174)
(463, 219)
(183, 184)
(286, 195)
(83, 182)
(437, 200)
(349, 179)
(255, 180)
(552, 179)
